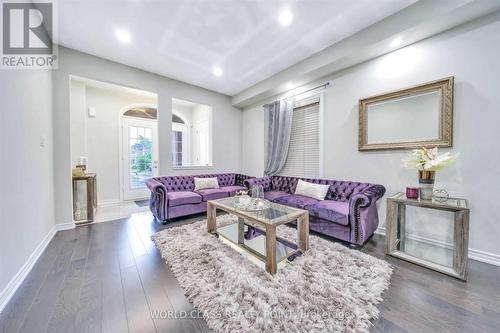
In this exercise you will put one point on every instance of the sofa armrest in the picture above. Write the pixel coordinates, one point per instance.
(155, 186)
(240, 179)
(265, 182)
(367, 195)
(363, 214)
(158, 200)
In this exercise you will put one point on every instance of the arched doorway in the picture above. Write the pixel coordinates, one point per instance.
(139, 141)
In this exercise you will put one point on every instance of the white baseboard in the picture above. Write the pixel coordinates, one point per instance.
(112, 202)
(11, 288)
(486, 257)
(65, 226)
(17, 280)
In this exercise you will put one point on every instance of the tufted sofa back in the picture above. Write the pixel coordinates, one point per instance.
(339, 190)
(186, 183)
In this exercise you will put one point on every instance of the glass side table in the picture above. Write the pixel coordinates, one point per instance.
(403, 240)
(84, 198)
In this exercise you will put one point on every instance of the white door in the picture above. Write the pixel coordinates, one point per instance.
(139, 156)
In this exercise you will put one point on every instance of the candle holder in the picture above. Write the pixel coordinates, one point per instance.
(412, 192)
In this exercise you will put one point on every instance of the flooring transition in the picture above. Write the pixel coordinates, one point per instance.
(118, 211)
(142, 203)
(109, 277)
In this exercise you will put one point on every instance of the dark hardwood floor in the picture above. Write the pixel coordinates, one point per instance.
(109, 277)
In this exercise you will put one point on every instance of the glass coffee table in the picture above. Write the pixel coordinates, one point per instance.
(255, 230)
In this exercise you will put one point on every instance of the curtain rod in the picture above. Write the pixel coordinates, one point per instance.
(324, 85)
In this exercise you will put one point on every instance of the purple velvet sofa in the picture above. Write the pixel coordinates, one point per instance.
(349, 211)
(174, 196)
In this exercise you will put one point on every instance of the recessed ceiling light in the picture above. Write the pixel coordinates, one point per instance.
(396, 42)
(217, 71)
(123, 36)
(286, 17)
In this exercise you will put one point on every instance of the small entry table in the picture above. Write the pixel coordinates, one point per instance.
(400, 243)
(84, 198)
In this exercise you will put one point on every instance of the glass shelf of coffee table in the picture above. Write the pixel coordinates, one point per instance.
(253, 240)
(255, 231)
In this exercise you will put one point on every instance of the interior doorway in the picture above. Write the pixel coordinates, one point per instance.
(139, 144)
(114, 136)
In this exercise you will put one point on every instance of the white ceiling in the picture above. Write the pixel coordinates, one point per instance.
(114, 87)
(184, 39)
(183, 103)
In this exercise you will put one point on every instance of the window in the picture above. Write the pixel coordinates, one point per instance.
(191, 134)
(179, 141)
(177, 147)
(202, 133)
(140, 154)
(304, 150)
(142, 112)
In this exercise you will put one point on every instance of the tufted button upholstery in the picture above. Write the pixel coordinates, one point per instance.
(339, 190)
(186, 183)
(351, 206)
(162, 189)
(265, 182)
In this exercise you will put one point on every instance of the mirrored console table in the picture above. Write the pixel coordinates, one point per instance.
(84, 198)
(404, 241)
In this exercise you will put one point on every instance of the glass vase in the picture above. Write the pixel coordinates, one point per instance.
(258, 192)
(426, 184)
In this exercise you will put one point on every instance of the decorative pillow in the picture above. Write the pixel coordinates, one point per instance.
(315, 191)
(204, 183)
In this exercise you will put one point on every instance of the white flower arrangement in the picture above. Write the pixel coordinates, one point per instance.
(428, 159)
(241, 192)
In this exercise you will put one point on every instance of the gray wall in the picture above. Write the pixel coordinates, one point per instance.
(100, 134)
(469, 53)
(226, 119)
(26, 168)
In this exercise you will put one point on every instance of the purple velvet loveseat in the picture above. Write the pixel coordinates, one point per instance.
(349, 211)
(174, 196)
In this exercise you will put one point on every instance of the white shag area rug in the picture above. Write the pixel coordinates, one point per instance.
(331, 288)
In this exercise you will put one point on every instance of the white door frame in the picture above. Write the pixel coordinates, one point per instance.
(120, 140)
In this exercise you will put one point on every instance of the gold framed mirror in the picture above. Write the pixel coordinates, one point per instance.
(415, 117)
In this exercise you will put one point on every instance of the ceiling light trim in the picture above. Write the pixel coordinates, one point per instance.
(285, 17)
(123, 36)
(217, 71)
